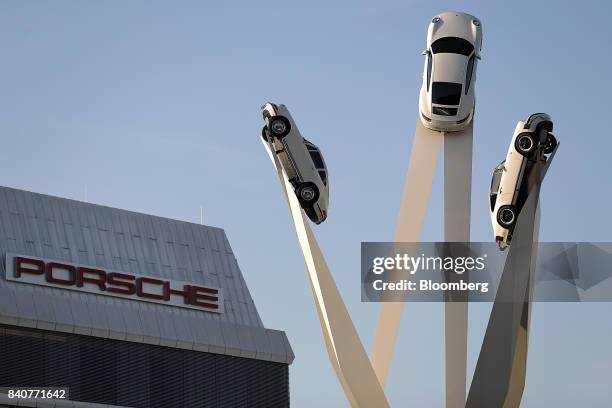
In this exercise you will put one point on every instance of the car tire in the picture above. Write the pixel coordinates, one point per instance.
(307, 193)
(264, 134)
(550, 144)
(279, 126)
(525, 144)
(506, 216)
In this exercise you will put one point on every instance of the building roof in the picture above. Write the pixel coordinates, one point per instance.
(82, 233)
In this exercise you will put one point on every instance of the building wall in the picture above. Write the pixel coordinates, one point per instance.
(234, 341)
(130, 374)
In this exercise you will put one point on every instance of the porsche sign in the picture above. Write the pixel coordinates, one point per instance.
(37, 271)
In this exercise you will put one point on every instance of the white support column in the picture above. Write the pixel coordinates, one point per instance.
(417, 188)
(499, 377)
(344, 347)
(457, 209)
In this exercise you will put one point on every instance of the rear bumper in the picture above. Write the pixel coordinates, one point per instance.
(447, 125)
(315, 213)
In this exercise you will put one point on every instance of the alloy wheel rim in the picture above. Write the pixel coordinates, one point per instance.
(525, 143)
(278, 126)
(507, 216)
(307, 193)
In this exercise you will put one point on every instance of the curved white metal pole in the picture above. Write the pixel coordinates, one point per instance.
(499, 377)
(457, 197)
(457, 212)
(344, 347)
(417, 188)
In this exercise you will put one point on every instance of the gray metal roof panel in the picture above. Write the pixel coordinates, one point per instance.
(230, 338)
(133, 324)
(80, 314)
(25, 309)
(63, 315)
(8, 304)
(45, 314)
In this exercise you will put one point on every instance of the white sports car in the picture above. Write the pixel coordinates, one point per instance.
(532, 141)
(447, 100)
(301, 159)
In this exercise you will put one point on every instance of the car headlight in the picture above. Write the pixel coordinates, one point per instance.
(435, 19)
(476, 23)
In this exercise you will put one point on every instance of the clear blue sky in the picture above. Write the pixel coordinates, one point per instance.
(155, 107)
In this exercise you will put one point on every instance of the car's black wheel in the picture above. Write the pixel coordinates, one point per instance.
(506, 216)
(279, 126)
(550, 143)
(264, 134)
(525, 144)
(307, 193)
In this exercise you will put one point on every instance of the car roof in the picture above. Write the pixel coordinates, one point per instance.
(449, 68)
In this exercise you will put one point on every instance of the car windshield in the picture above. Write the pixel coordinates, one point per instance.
(453, 45)
(446, 93)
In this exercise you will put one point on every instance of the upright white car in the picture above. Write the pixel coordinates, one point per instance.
(301, 159)
(447, 100)
(532, 141)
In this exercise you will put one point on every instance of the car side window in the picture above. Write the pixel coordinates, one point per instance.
(470, 70)
(323, 175)
(497, 174)
(317, 159)
(493, 199)
(495, 180)
(428, 70)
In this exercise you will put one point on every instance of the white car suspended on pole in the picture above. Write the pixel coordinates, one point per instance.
(532, 141)
(447, 100)
(302, 161)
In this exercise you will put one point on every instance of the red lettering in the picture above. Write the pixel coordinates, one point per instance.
(198, 292)
(141, 293)
(21, 269)
(99, 280)
(121, 283)
(185, 293)
(51, 266)
(115, 282)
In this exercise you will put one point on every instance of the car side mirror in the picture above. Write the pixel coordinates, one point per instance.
(425, 52)
(478, 57)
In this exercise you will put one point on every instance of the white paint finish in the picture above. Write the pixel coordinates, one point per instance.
(296, 161)
(450, 67)
(513, 176)
(422, 165)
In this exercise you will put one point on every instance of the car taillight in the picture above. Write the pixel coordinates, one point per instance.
(498, 239)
